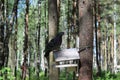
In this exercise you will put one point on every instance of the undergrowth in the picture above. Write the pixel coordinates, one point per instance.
(7, 74)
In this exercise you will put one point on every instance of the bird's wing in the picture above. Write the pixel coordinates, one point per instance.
(54, 43)
(50, 45)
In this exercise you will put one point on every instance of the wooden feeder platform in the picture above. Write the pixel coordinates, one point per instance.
(66, 55)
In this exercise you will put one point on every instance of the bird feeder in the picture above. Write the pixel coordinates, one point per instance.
(68, 58)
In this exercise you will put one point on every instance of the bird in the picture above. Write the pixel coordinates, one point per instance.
(53, 44)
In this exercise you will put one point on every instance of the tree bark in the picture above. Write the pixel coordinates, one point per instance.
(74, 22)
(15, 38)
(68, 20)
(2, 56)
(9, 31)
(25, 49)
(38, 40)
(97, 32)
(53, 22)
(13, 43)
(86, 39)
(46, 31)
(115, 39)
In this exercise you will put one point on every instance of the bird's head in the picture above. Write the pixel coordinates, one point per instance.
(60, 34)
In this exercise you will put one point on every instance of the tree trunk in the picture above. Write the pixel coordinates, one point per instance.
(58, 13)
(9, 31)
(74, 22)
(46, 35)
(112, 51)
(15, 38)
(115, 38)
(52, 10)
(25, 49)
(68, 20)
(12, 54)
(13, 44)
(86, 39)
(97, 32)
(106, 44)
(99, 36)
(2, 56)
(38, 41)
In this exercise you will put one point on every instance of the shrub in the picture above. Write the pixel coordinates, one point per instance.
(6, 74)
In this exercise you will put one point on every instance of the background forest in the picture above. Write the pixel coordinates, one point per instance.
(25, 30)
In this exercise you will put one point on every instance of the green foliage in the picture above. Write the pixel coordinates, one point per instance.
(66, 75)
(63, 76)
(42, 77)
(106, 75)
(118, 76)
(6, 74)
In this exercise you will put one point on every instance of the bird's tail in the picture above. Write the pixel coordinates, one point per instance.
(47, 56)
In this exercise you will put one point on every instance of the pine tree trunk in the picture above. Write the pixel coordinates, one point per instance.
(2, 56)
(97, 38)
(15, 38)
(58, 13)
(106, 42)
(86, 39)
(115, 38)
(46, 35)
(74, 22)
(25, 49)
(68, 20)
(38, 41)
(112, 52)
(13, 44)
(52, 10)
(9, 31)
